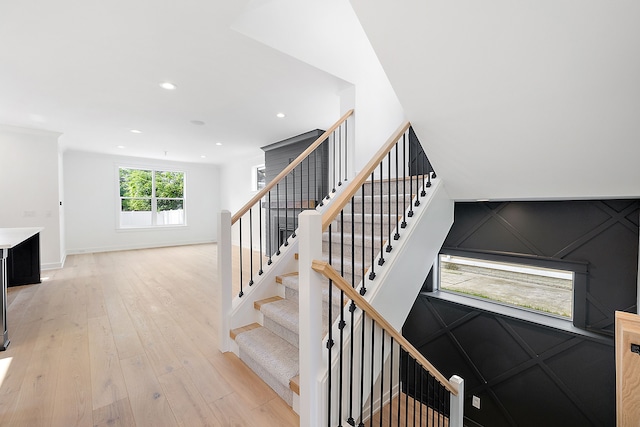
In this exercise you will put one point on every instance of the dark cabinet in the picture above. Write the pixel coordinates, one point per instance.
(23, 262)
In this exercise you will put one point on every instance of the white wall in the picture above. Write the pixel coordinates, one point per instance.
(29, 187)
(517, 100)
(328, 35)
(91, 204)
(236, 191)
(236, 176)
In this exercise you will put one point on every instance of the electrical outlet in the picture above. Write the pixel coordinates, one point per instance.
(475, 401)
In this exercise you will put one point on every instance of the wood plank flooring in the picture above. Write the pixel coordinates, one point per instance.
(128, 339)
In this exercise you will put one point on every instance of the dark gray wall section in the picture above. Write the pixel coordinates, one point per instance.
(311, 177)
(527, 374)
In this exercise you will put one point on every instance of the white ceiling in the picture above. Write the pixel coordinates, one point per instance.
(91, 70)
(523, 99)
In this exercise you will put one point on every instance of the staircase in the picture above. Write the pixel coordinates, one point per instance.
(271, 348)
(378, 244)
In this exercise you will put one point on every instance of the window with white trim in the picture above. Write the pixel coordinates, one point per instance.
(150, 198)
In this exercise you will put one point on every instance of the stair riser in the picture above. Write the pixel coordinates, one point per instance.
(291, 293)
(337, 251)
(283, 391)
(408, 187)
(377, 205)
(360, 227)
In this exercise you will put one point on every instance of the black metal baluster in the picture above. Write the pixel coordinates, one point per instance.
(389, 247)
(421, 391)
(270, 229)
(399, 382)
(422, 159)
(346, 151)
(286, 211)
(341, 326)
(251, 246)
(363, 289)
(404, 172)
(417, 203)
(381, 375)
(397, 235)
(415, 387)
(372, 274)
(339, 157)
(373, 352)
(406, 387)
(441, 405)
(428, 173)
(329, 347)
(260, 232)
(381, 260)
(319, 197)
(309, 183)
(391, 381)
(334, 162)
(353, 243)
(352, 309)
(329, 339)
(293, 208)
(342, 243)
(240, 227)
(362, 325)
(434, 405)
(278, 215)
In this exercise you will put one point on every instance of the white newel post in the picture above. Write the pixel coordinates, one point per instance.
(310, 332)
(225, 276)
(456, 414)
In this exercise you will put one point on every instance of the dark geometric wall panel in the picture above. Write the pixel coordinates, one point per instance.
(528, 374)
(525, 374)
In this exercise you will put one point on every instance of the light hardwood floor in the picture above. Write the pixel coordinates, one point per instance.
(128, 339)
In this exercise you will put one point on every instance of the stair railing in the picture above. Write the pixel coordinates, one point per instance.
(359, 367)
(266, 223)
(400, 173)
(393, 381)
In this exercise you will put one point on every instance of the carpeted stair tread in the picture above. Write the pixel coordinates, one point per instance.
(272, 353)
(292, 282)
(285, 312)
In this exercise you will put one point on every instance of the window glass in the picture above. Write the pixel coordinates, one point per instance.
(151, 198)
(539, 289)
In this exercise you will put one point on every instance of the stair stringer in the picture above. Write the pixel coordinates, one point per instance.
(398, 282)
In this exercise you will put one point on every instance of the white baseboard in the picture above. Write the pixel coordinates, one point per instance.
(98, 249)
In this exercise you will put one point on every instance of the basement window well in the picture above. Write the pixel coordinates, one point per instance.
(540, 289)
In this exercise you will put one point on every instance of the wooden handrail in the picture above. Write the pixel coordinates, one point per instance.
(255, 199)
(330, 273)
(341, 201)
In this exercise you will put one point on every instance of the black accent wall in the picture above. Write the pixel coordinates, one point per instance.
(525, 373)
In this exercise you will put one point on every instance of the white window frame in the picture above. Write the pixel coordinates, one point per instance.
(154, 200)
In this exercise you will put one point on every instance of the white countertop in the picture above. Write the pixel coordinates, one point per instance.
(10, 237)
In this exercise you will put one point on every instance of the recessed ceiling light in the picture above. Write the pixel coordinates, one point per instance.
(197, 122)
(218, 143)
(136, 131)
(120, 146)
(280, 115)
(203, 157)
(167, 85)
